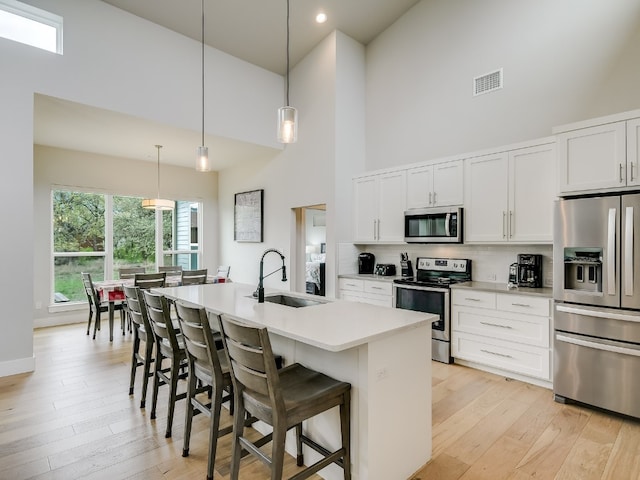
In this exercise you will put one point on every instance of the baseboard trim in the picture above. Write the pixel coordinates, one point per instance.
(56, 320)
(15, 367)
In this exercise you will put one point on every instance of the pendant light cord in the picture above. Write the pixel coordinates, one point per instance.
(203, 73)
(287, 53)
(158, 147)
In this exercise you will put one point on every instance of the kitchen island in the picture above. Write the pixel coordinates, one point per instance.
(384, 353)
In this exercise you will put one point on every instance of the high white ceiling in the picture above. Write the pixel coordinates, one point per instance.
(252, 30)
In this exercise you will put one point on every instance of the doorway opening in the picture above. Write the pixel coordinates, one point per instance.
(310, 249)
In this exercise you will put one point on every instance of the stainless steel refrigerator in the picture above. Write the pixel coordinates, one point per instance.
(596, 288)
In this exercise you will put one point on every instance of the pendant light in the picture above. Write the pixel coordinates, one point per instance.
(202, 160)
(158, 203)
(287, 115)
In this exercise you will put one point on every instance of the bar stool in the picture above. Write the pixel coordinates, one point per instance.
(208, 367)
(168, 346)
(142, 332)
(282, 399)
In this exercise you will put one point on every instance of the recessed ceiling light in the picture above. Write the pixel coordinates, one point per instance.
(321, 17)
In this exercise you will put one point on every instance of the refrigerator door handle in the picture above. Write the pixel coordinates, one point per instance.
(628, 251)
(611, 252)
(613, 315)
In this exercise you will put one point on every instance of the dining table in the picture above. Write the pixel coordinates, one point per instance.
(112, 291)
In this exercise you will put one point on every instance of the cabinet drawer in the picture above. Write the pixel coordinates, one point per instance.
(351, 284)
(523, 304)
(370, 298)
(382, 288)
(474, 298)
(527, 329)
(522, 359)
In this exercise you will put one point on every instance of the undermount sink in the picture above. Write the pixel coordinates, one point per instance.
(290, 301)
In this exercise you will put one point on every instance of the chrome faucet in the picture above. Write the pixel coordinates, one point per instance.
(260, 290)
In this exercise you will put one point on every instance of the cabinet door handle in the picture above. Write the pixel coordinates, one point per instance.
(429, 198)
(621, 179)
(434, 198)
(496, 353)
(510, 223)
(631, 171)
(504, 221)
(496, 325)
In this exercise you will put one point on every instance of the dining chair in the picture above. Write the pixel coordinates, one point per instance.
(170, 269)
(281, 398)
(208, 370)
(98, 306)
(169, 346)
(142, 332)
(194, 277)
(150, 280)
(129, 272)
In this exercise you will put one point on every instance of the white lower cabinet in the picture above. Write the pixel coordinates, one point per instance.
(508, 332)
(373, 292)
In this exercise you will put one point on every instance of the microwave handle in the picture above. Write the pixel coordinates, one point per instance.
(447, 225)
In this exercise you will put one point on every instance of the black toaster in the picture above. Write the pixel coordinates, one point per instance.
(386, 269)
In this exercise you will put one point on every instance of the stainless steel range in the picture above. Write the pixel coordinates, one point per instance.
(429, 292)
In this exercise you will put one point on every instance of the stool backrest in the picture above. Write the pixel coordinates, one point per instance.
(160, 319)
(198, 340)
(171, 269)
(251, 361)
(137, 308)
(129, 272)
(194, 277)
(150, 280)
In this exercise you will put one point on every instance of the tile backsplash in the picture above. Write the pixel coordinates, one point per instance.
(490, 263)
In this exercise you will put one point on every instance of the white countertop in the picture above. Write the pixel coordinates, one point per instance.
(370, 276)
(334, 326)
(504, 288)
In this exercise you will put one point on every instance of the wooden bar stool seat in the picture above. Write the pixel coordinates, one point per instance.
(281, 398)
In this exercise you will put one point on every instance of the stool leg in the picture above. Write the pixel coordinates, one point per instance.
(277, 452)
(134, 363)
(188, 418)
(148, 345)
(299, 457)
(345, 429)
(238, 431)
(156, 382)
(175, 372)
(216, 406)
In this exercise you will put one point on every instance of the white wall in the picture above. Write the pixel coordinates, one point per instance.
(331, 139)
(119, 62)
(54, 167)
(563, 61)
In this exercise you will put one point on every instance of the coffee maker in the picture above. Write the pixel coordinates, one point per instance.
(366, 262)
(528, 270)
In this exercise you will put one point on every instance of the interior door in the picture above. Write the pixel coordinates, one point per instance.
(630, 236)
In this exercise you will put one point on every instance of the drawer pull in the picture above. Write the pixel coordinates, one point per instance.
(521, 305)
(351, 285)
(496, 325)
(472, 299)
(496, 354)
(377, 288)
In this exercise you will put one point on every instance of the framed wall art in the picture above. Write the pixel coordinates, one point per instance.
(248, 216)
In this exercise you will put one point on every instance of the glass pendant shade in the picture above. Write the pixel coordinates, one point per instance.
(202, 161)
(287, 124)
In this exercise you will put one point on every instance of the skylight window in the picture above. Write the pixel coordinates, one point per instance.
(30, 25)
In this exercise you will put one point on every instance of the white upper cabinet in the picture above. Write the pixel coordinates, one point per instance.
(599, 155)
(509, 196)
(437, 185)
(379, 205)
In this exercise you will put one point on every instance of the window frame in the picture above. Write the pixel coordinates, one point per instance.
(108, 242)
(37, 15)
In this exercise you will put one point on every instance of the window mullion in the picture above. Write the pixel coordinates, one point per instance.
(108, 236)
(158, 238)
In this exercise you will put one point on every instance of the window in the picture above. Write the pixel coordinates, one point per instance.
(100, 234)
(30, 25)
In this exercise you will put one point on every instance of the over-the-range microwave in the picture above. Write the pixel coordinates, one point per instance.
(433, 225)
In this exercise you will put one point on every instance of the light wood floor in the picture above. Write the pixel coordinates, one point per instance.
(73, 419)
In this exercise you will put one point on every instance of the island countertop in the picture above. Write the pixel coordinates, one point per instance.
(334, 325)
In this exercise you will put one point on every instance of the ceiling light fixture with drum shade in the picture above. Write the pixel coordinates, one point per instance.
(202, 161)
(287, 115)
(158, 203)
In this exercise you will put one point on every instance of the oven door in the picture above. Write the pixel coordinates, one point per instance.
(429, 300)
